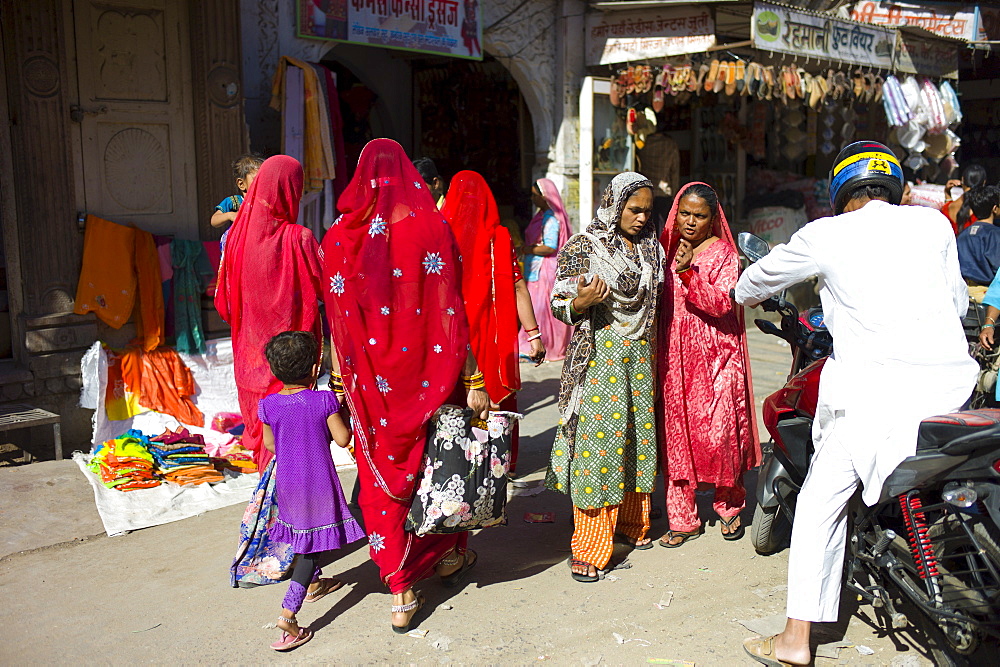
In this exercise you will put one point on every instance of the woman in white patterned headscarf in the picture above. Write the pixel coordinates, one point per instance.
(608, 284)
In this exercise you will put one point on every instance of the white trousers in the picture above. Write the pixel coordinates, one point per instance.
(816, 559)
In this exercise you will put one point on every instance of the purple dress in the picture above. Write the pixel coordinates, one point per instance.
(312, 511)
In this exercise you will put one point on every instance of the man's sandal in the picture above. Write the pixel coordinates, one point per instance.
(326, 586)
(414, 606)
(685, 536)
(762, 650)
(458, 576)
(289, 641)
(727, 524)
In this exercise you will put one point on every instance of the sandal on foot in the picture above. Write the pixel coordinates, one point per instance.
(414, 606)
(456, 577)
(625, 539)
(289, 641)
(762, 650)
(685, 536)
(326, 586)
(579, 576)
(733, 534)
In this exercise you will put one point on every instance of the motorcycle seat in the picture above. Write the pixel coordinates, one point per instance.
(936, 432)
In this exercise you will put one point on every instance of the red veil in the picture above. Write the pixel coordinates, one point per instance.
(268, 283)
(487, 281)
(394, 300)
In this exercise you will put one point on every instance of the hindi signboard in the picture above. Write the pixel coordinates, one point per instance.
(618, 37)
(442, 27)
(960, 24)
(928, 57)
(786, 30)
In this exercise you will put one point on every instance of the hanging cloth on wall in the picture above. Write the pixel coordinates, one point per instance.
(318, 158)
(107, 285)
(191, 274)
(149, 319)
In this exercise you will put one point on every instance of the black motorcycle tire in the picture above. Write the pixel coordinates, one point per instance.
(770, 531)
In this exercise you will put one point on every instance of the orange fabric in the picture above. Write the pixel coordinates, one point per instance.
(594, 529)
(149, 319)
(160, 381)
(107, 285)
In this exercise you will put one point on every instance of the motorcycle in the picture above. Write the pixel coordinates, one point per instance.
(930, 546)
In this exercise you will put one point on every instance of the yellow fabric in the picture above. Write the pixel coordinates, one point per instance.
(977, 292)
(594, 529)
(107, 283)
(318, 163)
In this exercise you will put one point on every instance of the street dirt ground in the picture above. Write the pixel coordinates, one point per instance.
(162, 595)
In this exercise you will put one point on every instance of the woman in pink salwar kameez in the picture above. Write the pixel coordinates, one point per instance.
(709, 433)
(546, 234)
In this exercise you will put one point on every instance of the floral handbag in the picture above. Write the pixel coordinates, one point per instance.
(464, 481)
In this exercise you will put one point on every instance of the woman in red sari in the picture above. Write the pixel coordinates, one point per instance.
(393, 296)
(708, 424)
(268, 283)
(496, 297)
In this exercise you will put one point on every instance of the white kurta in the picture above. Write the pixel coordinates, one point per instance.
(893, 298)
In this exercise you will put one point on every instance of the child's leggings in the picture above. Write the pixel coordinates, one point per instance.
(306, 570)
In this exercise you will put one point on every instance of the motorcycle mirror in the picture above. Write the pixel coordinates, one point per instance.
(753, 247)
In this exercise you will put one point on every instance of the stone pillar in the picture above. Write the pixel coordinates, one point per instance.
(564, 168)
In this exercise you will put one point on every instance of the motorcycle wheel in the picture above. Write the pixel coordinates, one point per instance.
(770, 530)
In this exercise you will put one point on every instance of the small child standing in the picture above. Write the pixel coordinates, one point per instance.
(312, 512)
(245, 168)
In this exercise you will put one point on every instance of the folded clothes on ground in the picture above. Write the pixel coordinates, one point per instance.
(125, 463)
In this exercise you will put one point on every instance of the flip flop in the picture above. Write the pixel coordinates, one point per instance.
(685, 537)
(720, 82)
(762, 650)
(625, 539)
(455, 578)
(326, 586)
(579, 576)
(713, 75)
(731, 78)
(288, 642)
(732, 535)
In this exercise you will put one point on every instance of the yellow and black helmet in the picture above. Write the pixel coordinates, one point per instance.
(864, 163)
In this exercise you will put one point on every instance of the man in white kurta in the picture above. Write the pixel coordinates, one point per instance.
(893, 298)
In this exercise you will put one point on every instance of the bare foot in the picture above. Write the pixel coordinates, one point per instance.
(791, 652)
(401, 619)
(450, 564)
(289, 624)
(580, 567)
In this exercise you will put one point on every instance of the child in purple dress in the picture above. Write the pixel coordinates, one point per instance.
(312, 512)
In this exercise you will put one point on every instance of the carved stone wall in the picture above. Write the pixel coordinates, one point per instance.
(521, 35)
(220, 130)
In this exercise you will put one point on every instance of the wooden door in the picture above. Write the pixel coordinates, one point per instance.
(135, 113)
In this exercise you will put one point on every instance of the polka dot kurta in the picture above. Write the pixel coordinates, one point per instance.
(614, 449)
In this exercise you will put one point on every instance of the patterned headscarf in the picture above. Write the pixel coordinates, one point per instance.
(634, 277)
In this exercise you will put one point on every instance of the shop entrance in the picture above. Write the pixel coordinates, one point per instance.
(471, 115)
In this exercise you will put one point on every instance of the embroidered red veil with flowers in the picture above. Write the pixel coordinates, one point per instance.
(708, 429)
(268, 283)
(487, 281)
(392, 288)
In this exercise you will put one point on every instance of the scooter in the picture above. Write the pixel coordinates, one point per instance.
(928, 552)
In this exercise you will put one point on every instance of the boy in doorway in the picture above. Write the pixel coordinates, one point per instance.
(245, 168)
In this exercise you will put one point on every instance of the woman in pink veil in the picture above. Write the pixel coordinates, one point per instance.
(709, 432)
(545, 235)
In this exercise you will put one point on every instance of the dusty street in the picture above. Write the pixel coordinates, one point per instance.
(162, 594)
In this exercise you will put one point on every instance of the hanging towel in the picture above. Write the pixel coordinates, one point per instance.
(191, 274)
(149, 320)
(107, 283)
(318, 163)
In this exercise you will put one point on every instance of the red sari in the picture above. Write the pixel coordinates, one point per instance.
(394, 300)
(487, 281)
(709, 432)
(268, 283)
